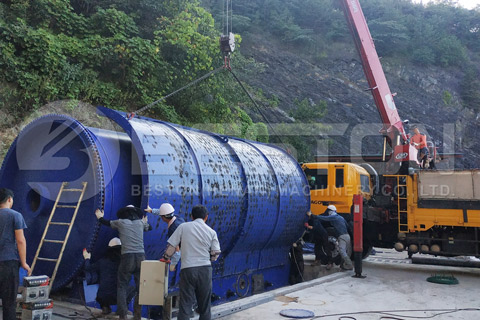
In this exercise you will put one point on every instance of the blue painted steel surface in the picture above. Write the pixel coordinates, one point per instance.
(256, 194)
(53, 149)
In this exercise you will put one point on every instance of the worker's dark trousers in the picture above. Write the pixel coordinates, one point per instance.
(195, 282)
(9, 287)
(129, 265)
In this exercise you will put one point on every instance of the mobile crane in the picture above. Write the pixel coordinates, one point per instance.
(433, 212)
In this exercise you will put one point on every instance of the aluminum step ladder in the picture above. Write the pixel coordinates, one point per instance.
(69, 224)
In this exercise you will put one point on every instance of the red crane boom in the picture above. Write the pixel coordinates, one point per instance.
(392, 124)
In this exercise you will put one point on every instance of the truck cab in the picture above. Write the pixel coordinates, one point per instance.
(336, 183)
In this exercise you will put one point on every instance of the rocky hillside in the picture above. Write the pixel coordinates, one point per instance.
(428, 96)
(338, 79)
(296, 56)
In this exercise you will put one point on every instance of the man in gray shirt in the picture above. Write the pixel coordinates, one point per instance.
(130, 231)
(13, 248)
(200, 247)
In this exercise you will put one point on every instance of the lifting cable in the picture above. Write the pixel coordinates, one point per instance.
(148, 106)
(227, 46)
(259, 110)
(131, 115)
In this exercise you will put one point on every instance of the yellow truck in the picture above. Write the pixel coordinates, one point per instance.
(433, 212)
(418, 210)
(336, 183)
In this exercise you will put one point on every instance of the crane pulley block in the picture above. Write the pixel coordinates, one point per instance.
(227, 43)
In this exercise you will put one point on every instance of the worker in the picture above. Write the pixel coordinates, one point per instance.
(13, 248)
(311, 181)
(420, 142)
(130, 231)
(106, 270)
(297, 264)
(341, 233)
(167, 213)
(323, 254)
(200, 247)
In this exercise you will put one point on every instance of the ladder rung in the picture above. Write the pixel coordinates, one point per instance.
(54, 241)
(61, 223)
(69, 224)
(47, 259)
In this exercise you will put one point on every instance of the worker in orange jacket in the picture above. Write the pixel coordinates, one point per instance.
(420, 142)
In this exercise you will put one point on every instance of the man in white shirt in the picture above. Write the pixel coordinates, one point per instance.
(200, 247)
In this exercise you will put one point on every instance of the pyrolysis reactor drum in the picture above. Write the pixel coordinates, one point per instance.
(256, 194)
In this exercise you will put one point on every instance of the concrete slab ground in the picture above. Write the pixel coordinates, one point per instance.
(392, 284)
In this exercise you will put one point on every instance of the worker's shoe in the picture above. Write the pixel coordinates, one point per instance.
(347, 264)
(106, 310)
(329, 266)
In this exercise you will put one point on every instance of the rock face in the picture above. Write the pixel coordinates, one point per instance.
(339, 80)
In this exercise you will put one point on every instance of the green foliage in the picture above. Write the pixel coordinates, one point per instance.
(423, 56)
(262, 132)
(469, 89)
(307, 111)
(119, 54)
(126, 54)
(301, 137)
(447, 98)
(111, 23)
(437, 34)
(242, 23)
(452, 52)
(390, 36)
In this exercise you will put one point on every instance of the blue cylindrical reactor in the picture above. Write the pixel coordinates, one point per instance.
(256, 194)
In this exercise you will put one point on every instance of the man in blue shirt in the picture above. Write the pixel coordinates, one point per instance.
(167, 213)
(341, 233)
(13, 249)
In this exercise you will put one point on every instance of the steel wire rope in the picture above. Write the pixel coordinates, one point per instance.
(295, 258)
(298, 267)
(223, 15)
(148, 106)
(258, 109)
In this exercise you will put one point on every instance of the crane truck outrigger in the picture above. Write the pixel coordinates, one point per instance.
(433, 212)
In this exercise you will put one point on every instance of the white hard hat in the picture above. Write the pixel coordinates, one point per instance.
(332, 207)
(115, 242)
(166, 209)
